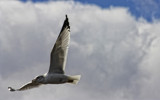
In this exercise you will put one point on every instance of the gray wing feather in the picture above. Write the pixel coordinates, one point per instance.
(25, 87)
(59, 52)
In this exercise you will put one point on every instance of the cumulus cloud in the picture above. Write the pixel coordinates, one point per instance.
(116, 54)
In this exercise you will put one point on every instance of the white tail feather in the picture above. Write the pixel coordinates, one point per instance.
(74, 79)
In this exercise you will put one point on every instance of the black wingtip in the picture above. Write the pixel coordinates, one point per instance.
(65, 24)
(66, 16)
(11, 89)
(66, 21)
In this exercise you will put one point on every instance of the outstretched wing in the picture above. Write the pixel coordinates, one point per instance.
(59, 52)
(25, 87)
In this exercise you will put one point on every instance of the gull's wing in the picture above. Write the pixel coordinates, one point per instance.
(59, 52)
(25, 87)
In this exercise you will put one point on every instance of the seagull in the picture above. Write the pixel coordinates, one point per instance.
(58, 58)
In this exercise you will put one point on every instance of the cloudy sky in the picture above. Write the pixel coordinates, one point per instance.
(114, 46)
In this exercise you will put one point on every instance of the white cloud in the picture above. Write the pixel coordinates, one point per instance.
(116, 54)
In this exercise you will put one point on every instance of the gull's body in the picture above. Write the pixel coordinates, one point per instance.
(58, 59)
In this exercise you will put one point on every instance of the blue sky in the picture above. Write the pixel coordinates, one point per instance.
(148, 9)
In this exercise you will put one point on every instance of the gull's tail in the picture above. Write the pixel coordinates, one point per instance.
(74, 79)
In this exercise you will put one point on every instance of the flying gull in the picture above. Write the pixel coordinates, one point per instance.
(58, 58)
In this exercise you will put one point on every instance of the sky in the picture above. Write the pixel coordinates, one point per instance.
(115, 51)
(148, 9)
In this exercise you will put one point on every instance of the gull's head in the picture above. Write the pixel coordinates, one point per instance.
(39, 79)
